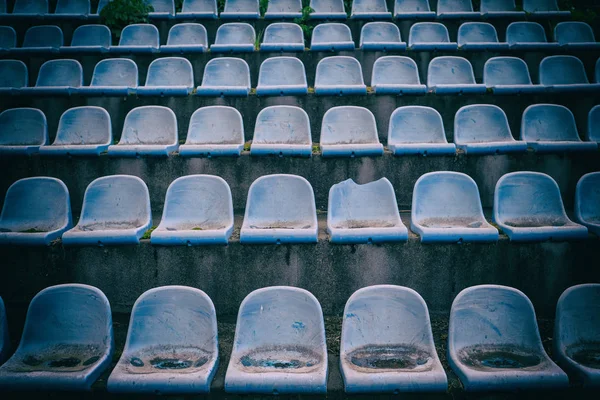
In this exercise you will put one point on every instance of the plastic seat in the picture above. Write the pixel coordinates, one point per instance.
(280, 9)
(13, 76)
(234, 37)
(138, 38)
(452, 75)
(430, 36)
(528, 207)
(89, 39)
(101, 5)
(36, 212)
(2, 11)
(198, 210)
(546, 8)
(112, 77)
(279, 344)
(494, 343)
(240, 9)
(412, 9)
(147, 131)
(528, 36)
(282, 76)
(575, 35)
(280, 209)
(214, 131)
(381, 36)
(198, 9)
(396, 75)
(483, 129)
(22, 131)
(387, 343)
(587, 202)
(115, 211)
(67, 341)
(593, 132)
(8, 38)
(364, 213)
(163, 9)
(169, 76)
(56, 77)
(446, 208)
(225, 76)
(30, 8)
(479, 36)
(370, 9)
(418, 130)
(565, 74)
(283, 36)
(41, 39)
(349, 131)
(331, 36)
(551, 128)
(186, 38)
(339, 75)
(283, 131)
(509, 75)
(456, 9)
(4, 336)
(71, 9)
(327, 9)
(500, 9)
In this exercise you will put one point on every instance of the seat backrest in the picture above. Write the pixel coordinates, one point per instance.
(525, 32)
(241, 6)
(91, 35)
(477, 32)
(170, 71)
(331, 32)
(163, 6)
(115, 72)
(481, 123)
(411, 6)
(573, 32)
(339, 70)
(398, 70)
(532, 6)
(416, 124)
(235, 33)
(282, 71)
(23, 126)
(152, 125)
(587, 198)
(226, 71)
(506, 71)
(139, 35)
(548, 122)
(84, 125)
(348, 125)
(380, 32)
(80, 7)
(454, 6)
(367, 6)
(497, 5)
(593, 132)
(450, 70)
(327, 6)
(60, 73)
(8, 37)
(562, 70)
(30, 7)
(428, 32)
(187, 34)
(216, 125)
(43, 36)
(283, 32)
(578, 315)
(282, 124)
(199, 6)
(13, 73)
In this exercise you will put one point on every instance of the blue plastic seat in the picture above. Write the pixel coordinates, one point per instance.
(281, 76)
(279, 344)
(551, 128)
(2, 11)
(89, 39)
(82, 131)
(186, 38)
(456, 9)
(452, 75)
(171, 344)
(41, 39)
(446, 208)
(587, 202)
(565, 74)
(349, 131)
(163, 9)
(8, 38)
(280, 209)
(545, 8)
(240, 9)
(13, 76)
(169, 76)
(198, 9)
(364, 213)
(509, 75)
(234, 37)
(430, 36)
(138, 38)
(71, 9)
(147, 131)
(387, 343)
(576, 343)
(22, 131)
(4, 336)
(225, 76)
(67, 341)
(36, 212)
(198, 210)
(494, 343)
(593, 126)
(396, 75)
(597, 71)
(500, 9)
(528, 207)
(528, 36)
(115, 211)
(283, 36)
(282, 131)
(381, 36)
(214, 131)
(30, 8)
(56, 77)
(339, 75)
(327, 9)
(331, 36)
(112, 77)
(280, 9)
(370, 9)
(418, 130)
(483, 129)
(101, 5)
(412, 9)
(479, 36)
(575, 35)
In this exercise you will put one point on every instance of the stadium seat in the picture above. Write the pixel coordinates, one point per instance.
(198, 9)
(186, 38)
(327, 9)
(67, 341)
(22, 131)
(82, 131)
(479, 36)
(396, 75)
(13, 76)
(89, 39)
(112, 77)
(4, 336)
(483, 129)
(283, 36)
(198, 210)
(56, 77)
(171, 344)
(364, 213)
(551, 128)
(412, 9)
(115, 211)
(282, 131)
(36, 212)
(544, 8)
(339, 75)
(528, 207)
(71, 9)
(430, 36)
(138, 38)
(370, 9)
(41, 39)
(528, 36)
(452, 75)
(593, 132)
(462, 9)
(240, 9)
(381, 36)
(2, 11)
(214, 131)
(147, 131)
(565, 74)
(280, 209)
(331, 36)
(279, 344)
(575, 35)
(281, 76)
(387, 343)
(30, 8)
(225, 76)
(169, 76)
(509, 75)
(163, 9)
(349, 131)
(418, 130)
(494, 343)
(8, 38)
(587, 202)
(284, 9)
(101, 5)
(234, 37)
(500, 9)
(446, 208)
